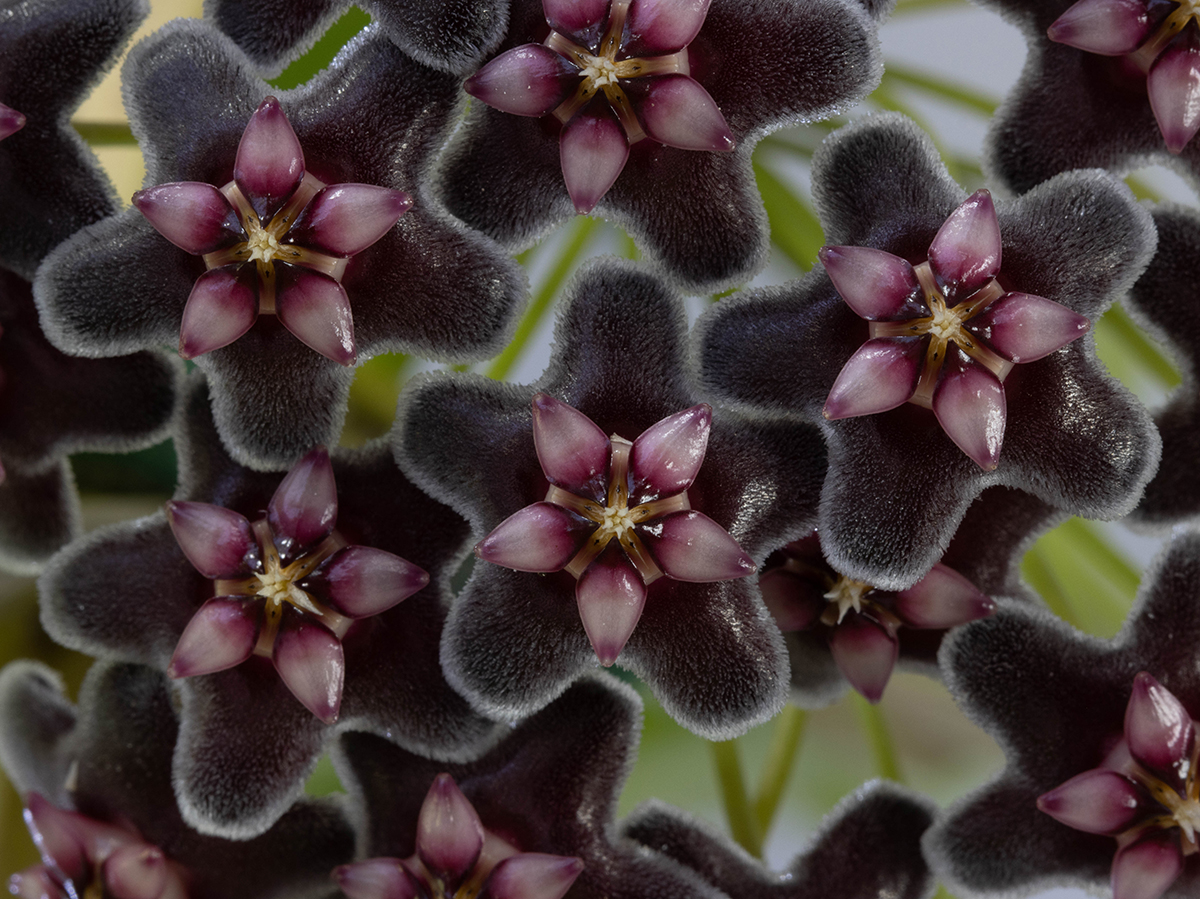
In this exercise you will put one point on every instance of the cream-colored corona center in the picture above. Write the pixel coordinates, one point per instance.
(848, 594)
(945, 323)
(600, 71)
(263, 244)
(615, 520)
(278, 585)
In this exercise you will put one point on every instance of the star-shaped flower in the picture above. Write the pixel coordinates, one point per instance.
(428, 286)
(1062, 705)
(897, 485)
(703, 83)
(97, 786)
(515, 640)
(238, 580)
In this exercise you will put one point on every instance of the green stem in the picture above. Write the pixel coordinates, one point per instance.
(781, 757)
(1103, 556)
(1041, 577)
(582, 227)
(907, 6)
(100, 134)
(880, 738)
(737, 804)
(970, 99)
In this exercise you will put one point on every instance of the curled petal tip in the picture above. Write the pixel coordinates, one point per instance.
(690, 546)
(540, 538)
(316, 309)
(222, 306)
(970, 406)
(269, 163)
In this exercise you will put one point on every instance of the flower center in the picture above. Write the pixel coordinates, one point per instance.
(1182, 807)
(615, 520)
(1175, 22)
(844, 595)
(262, 243)
(600, 71)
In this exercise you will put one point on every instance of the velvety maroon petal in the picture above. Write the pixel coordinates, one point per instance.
(966, 250)
(449, 832)
(942, 599)
(220, 635)
(528, 80)
(541, 537)
(664, 26)
(221, 308)
(593, 151)
(571, 448)
(865, 654)
(882, 374)
(1157, 726)
(136, 871)
(217, 541)
(791, 605)
(574, 16)
(678, 112)
(1174, 86)
(666, 457)
(1146, 869)
(1096, 801)
(875, 284)
(969, 405)
(610, 595)
(11, 121)
(533, 875)
(311, 663)
(1024, 327)
(269, 163)
(316, 309)
(360, 581)
(193, 215)
(344, 219)
(303, 509)
(1108, 27)
(376, 878)
(690, 546)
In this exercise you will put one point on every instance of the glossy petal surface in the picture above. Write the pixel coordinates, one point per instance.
(316, 309)
(876, 285)
(571, 448)
(611, 597)
(536, 538)
(594, 151)
(692, 547)
(220, 635)
(1109, 27)
(529, 80)
(970, 407)
(304, 507)
(1096, 801)
(881, 375)
(1174, 88)
(360, 581)
(345, 219)
(667, 456)
(270, 162)
(217, 541)
(966, 249)
(193, 215)
(680, 113)
(221, 308)
(1024, 327)
(311, 662)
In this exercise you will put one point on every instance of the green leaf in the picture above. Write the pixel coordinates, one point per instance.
(321, 54)
(795, 228)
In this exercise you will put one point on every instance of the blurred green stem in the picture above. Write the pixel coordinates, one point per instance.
(781, 758)
(737, 803)
(102, 134)
(880, 738)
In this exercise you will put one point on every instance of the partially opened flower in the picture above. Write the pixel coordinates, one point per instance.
(899, 481)
(646, 112)
(96, 783)
(616, 517)
(579, 558)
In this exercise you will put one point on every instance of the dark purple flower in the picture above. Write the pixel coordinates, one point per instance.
(718, 78)
(1062, 705)
(96, 781)
(131, 592)
(515, 640)
(897, 485)
(427, 286)
(550, 787)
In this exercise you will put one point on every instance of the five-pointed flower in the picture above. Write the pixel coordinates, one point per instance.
(286, 587)
(298, 232)
(631, 53)
(456, 856)
(608, 489)
(943, 333)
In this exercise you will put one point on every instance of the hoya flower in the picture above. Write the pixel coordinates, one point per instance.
(647, 113)
(52, 52)
(543, 799)
(861, 624)
(868, 847)
(374, 117)
(298, 232)
(1077, 717)
(283, 626)
(516, 639)
(898, 485)
(96, 782)
(457, 856)
(616, 517)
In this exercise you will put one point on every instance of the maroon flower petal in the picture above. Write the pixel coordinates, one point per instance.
(269, 163)
(865, 654)
(690, 546)
(1096, 801)
(136, 872)
(680, 113)
(11, 121)
(664, 26)
(310, 661)
(221, 308)
(541, 537)
(574, 16)
(377, 878)
(220, 635)
(1107, 27)
(193, 215)
(449, 833)
(217, 541)
(303, 509)
(316, 309)
(1146, 868)
(966, 250)
(942, 599)
(791, 600)
(593, 151)
(58, 836)
(882, 374)
(874, 283)
(1174, 86)
(533, 875)
(361, 581)
(529, 80)
(969, 405)
(1159, 729)
(571, 448)
(1024, 327)
(610, 595)
(344, 219)
(667, 456)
